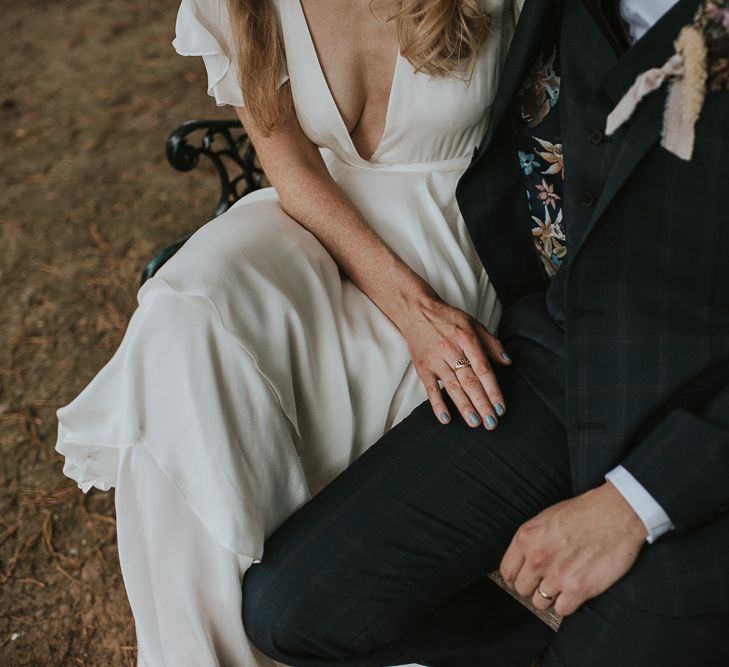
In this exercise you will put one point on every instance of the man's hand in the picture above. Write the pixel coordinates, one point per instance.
(575, 550)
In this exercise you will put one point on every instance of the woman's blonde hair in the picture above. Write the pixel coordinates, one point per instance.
(438, 37)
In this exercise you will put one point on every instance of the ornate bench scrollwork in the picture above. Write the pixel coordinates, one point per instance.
(227, 146)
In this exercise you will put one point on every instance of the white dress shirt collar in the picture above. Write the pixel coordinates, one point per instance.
(640, 15)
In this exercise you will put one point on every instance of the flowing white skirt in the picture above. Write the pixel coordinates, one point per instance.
(251, 374)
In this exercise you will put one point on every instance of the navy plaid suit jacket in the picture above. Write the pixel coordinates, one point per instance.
(638, 317)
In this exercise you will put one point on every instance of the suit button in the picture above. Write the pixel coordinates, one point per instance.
(475, 154)
(587, 199)
(595, 136)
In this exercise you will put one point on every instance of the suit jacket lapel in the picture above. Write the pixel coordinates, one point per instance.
(644, 129)
(523, 52)
(493, 182)
(607, 15)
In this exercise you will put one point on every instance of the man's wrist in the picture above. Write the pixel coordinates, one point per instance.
(653, 516)
(629, 520)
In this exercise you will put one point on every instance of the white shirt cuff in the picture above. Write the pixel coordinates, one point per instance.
(653, 516)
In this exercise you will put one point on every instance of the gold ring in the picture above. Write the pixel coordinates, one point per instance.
(544, 595)
(462, 363)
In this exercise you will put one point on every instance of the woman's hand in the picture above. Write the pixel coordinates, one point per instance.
(440, 335)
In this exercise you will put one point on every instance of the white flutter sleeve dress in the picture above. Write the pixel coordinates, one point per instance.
(252, 371)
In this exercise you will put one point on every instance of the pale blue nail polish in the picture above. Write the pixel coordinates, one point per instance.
(444, 417)
(490, 422)
(500, 409)
(505, 356)
(473, 418)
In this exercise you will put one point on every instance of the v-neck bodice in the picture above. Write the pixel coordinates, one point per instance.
(431, 123)
(326, 88)
(428, 120)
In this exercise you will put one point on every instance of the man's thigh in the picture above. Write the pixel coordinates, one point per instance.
(424, 513)
(606, 632)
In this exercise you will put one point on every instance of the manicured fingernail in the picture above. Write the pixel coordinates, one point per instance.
(505, 356)
(490, 422)
(445, 417)
(473, 418)
(500, 409)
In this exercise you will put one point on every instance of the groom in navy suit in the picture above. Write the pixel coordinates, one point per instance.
(605, 489)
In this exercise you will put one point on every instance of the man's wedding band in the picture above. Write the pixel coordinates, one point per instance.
(462, 363)
(544, 595)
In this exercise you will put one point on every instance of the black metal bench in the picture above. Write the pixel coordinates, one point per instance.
(227, 146)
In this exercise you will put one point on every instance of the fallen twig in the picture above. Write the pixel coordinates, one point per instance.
(48, 541)
(16, 556)
(28, 580)
(8, 532)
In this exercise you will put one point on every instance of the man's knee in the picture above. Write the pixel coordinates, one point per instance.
(286, 620)
(267, 618)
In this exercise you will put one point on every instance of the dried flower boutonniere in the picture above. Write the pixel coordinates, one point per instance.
(700, 64)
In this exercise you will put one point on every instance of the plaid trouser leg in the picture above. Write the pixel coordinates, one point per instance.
(363, 574)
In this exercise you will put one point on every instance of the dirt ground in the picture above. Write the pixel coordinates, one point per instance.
(89, 91)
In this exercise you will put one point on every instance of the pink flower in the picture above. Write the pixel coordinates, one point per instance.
(719, 14)
(547, 194)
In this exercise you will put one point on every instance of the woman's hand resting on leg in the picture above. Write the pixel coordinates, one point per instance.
(449, 345)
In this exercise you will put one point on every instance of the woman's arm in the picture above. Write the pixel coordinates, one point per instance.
(310, 196)
(437, 334)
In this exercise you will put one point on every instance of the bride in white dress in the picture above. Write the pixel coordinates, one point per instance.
(278, 343)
